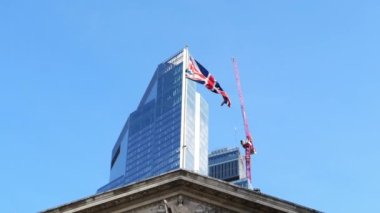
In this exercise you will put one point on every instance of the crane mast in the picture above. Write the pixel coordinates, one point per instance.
(248, 142)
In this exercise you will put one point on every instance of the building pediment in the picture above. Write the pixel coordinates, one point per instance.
(183, 191)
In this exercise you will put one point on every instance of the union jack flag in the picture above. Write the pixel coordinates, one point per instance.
(196, 72)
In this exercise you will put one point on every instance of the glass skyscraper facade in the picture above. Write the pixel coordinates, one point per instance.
(228, 165)
(167, 131)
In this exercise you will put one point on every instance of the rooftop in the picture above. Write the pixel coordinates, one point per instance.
(181, 190)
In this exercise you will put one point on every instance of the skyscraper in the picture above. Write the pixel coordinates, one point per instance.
(167, 131)
(228, 165)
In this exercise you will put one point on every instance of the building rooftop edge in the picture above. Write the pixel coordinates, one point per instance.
(208, 183)
(223, 150)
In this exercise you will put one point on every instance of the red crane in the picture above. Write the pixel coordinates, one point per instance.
(248, 142)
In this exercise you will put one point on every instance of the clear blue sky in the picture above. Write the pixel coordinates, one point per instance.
(72, 71)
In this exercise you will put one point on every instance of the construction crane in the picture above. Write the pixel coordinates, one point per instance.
(248, 142)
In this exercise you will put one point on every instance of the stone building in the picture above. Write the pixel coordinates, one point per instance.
(180, 191)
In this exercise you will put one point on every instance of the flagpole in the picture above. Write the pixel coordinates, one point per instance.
(184, 107)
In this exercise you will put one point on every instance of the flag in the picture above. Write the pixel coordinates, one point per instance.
(196, 72)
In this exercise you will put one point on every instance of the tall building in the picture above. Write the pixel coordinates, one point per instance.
(167, 131)
(228, 165)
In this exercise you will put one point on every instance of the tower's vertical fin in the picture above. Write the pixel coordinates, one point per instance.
(197, 129)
